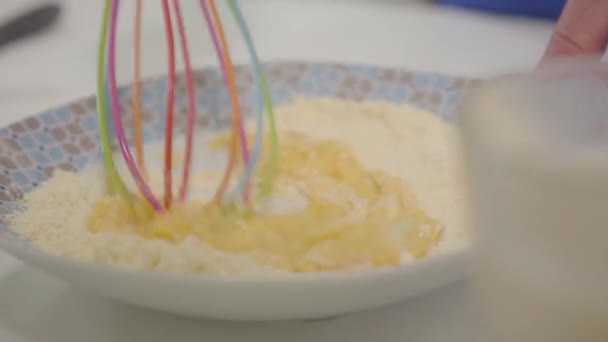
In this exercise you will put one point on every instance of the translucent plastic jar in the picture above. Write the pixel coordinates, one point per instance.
(537, 152)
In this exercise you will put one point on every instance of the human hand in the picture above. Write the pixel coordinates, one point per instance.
(581, 30)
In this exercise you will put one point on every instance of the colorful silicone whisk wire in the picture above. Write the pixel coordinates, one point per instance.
(109, 102)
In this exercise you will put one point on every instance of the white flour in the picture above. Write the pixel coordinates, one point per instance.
(399, 139)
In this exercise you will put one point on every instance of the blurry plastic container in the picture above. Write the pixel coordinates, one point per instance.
(537, 154)
(549, 9)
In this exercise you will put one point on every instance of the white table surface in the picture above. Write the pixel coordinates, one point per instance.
(59, 66)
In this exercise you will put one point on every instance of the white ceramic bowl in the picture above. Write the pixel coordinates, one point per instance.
(299, 297)
(305, 296)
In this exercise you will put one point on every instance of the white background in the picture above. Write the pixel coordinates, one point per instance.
(60, 66)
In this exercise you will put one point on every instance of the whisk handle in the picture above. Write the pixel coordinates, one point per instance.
(29, 23)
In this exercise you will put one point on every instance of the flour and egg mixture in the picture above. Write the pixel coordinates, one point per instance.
(358, 185)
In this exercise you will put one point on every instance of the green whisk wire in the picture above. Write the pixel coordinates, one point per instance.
(267, 181)
(114, 182)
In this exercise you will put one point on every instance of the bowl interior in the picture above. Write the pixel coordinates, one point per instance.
(66, 137)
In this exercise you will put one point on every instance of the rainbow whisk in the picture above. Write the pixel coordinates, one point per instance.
(110, 111)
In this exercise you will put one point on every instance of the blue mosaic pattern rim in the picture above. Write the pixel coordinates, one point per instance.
(66, 137)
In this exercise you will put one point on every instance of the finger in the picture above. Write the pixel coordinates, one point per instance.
(581, 30)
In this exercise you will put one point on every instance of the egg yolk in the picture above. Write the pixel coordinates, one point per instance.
(326, 213)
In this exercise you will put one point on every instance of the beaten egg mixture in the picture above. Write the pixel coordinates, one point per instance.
(327, 212)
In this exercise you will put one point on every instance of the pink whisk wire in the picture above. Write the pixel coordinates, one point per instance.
(117, 116)
(183, 191)
(215, 32)
(168, 169)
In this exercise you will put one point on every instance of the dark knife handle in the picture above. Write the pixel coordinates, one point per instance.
(29, 23)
